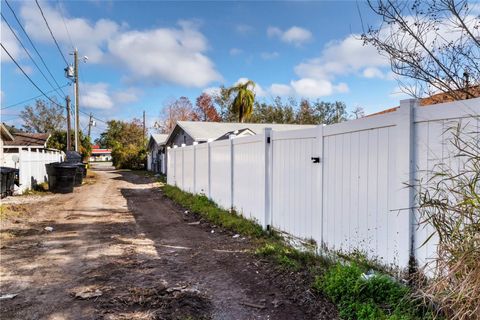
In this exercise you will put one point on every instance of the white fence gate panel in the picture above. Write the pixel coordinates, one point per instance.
(249, 177)
(295, 183)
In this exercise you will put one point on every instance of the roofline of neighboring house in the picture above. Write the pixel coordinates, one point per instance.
(171, 132)
(6, 132)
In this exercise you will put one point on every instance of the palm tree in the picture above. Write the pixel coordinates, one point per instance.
(243, 102)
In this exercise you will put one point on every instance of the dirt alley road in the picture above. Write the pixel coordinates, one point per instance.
(135, 255)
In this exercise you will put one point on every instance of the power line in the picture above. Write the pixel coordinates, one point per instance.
(65, 24)
(51, 33)
(26, 51)
(26, 100)
(33, 45)
(26, 75)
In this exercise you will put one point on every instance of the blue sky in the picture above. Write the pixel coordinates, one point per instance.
(142, 54)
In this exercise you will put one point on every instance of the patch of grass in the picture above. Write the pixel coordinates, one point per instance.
(379, 297)
(210, 211)
(8, 211)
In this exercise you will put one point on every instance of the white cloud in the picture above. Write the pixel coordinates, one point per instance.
(10, 43)
(91, 38)
(316, 76)
(173, 55)
(281, 90)
(244, 29)
(235, 51)
(164, 55)
(212, 91)
(311, 88)
(295, 35)
(372, 72)
(269, 55)
(129, 95)
(100, 96)
(341, 58)
(95, 95)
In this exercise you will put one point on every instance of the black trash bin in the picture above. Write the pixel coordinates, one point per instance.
(78, 173)
(73, 157)
(52, 174)
(64, 177)
(8, 178)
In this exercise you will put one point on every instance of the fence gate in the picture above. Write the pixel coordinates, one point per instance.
(296, 182)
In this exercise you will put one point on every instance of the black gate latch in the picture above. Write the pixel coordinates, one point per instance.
(316, 159)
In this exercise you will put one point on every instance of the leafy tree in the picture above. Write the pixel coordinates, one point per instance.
(58, 140)
(180, 109)
(43, 117)
(205, 110)
(127, 142)
(244, 100)
(330, 112)
(432, 45)
(306, 114)
(224, 102)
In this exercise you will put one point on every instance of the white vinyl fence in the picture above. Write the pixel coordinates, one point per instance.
(31, 164)
(342, 185)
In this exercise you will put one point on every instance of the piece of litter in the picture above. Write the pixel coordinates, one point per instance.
(236, 236)
(213, 231)
(368, 275)
(193, 223)
(88, 294)
(8, 296)
(187, 212)
(49, 229)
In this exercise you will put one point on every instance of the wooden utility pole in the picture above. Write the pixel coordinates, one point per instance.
(90, 122)
(77, 117)
(144, 128)
(69, 128)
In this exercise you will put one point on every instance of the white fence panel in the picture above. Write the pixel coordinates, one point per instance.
(201, 169)
(31, 165)
(221, 173)
(433, 148)
(171, 166)
(188, 169)
(295, 183)
(249, 177)
(178, 167)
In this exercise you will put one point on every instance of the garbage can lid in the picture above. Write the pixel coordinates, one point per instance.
(73, 156)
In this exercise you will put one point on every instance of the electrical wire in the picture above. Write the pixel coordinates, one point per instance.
(28, 54)
(33, 45)
(26, 100)
(30, 79)
(51, 33)
(65, 24)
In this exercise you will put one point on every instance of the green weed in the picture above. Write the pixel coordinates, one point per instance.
(379, 297)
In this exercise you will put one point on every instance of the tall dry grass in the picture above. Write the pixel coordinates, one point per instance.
(449, 200)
